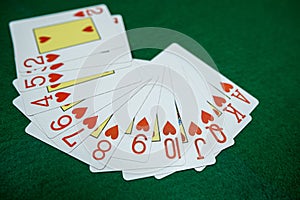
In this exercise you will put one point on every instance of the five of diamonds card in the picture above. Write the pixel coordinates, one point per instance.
(86, 96)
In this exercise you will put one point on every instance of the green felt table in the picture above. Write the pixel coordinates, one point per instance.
(255, 43)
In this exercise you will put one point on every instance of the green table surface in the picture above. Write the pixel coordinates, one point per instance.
(255, 43)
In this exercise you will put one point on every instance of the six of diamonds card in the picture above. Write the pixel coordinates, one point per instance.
(86, 96)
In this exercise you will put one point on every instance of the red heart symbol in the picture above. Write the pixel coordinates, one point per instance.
(56, 66)
(206, 117)
(218, 113)
(113, 132)
(55, 85)
(183, 138)
(79, 14)
(219, 101)
(88, 29)
(51, 57)
(143, 124)
(169, 128)
(194, 129)
(226, 87)
(54, 77)
(90, 122)
(44, 39)
(61, 96)
(79, 112)
(116, 20)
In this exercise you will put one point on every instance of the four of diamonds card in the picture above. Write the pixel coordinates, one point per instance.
(86, 96)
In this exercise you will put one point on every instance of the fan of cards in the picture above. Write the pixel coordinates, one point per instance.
(86, 96)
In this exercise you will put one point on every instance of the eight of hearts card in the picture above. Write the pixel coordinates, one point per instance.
(86, 96)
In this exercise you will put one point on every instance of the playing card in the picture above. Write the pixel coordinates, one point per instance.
(26, 83)
(122, 123)
(62, 72)
(227, 124)
(166, 147)
(190, 163)
(65, 116)
(237, 119)
(136, 144)
(48, 40)
(96, 123)
(87, 97)
(239, 103)
(191, 135)
(231, 99)
(168, 150)
(34, 131)
(164, 142)
(109, 59)
(47, 98)
(92, 127)
(58, 120)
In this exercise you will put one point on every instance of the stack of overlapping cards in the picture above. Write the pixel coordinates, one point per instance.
(87, 97)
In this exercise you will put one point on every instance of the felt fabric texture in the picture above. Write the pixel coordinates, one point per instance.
(254, 43)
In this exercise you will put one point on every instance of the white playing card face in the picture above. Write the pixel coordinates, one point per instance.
(196, 89)
(32, 82)
(198, 169)
(235, 102)
(34, 131)
(236, 105)
(240, 120)
(199, 149)
(64, 36)
(195, 155)
(95, 124)
(136, 143)
(166, 146)
(78, 143)
(230, 127)
(105, 169)
(212, 77)
(62, 119)
(55, 121)
(108, 137)
(190, 162)
(47, 98)
(161, 176)
(168, 150)
(85, 96)
(58, 120)
(115, 58)
(196, 145)
(66, 71)
(178, 86)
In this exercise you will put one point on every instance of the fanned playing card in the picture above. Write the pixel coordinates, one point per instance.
(87, 97)
(55, 38)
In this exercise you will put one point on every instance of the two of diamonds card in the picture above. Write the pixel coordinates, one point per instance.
(87, 97)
